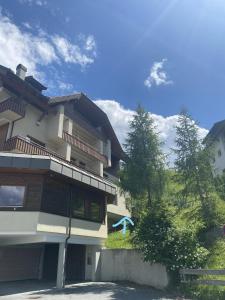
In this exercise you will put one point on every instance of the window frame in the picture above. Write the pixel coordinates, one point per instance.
(87, 208)
(23, 200)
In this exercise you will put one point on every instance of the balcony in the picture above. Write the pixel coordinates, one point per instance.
(10, 110)
(83, 146)
(21, 145)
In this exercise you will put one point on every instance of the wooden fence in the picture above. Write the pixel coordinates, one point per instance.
(189, 275)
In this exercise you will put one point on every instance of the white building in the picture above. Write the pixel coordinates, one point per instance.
(216, 139)
(59, 158)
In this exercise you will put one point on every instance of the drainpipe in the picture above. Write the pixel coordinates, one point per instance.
(69, 232)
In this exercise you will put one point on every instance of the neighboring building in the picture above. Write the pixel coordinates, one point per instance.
(59, 159)
(216, 139)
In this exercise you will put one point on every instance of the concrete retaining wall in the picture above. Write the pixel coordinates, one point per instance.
(127, 265)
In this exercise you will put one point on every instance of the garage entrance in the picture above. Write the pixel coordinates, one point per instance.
(20, 262)
(75, 262)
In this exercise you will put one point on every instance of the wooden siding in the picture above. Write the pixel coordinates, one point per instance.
(50, 195)
(20, 144)
(3, 135)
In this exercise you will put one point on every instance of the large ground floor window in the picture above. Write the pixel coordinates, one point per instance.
(59, 198)
(88, 205)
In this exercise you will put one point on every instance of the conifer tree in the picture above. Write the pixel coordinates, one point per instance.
(192, 164)
(143, 173)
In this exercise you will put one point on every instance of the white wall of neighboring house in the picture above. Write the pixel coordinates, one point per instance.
(219, 156)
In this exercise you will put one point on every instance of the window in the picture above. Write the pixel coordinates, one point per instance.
(35, 141)
(11, 196)
(95, 210)
(78, 207)
(73, 160)
(82, 165)
(87, 205)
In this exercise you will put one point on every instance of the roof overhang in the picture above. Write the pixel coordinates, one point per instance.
(45, 163)
(22, 88)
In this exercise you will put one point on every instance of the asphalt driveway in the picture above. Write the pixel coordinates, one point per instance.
(80, 291)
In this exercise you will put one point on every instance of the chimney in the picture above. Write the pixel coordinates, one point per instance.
(21, 71)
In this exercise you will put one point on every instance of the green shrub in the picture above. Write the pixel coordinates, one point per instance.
(161, 242)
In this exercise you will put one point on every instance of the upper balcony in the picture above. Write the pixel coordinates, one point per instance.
(83, 146)
(10, 110)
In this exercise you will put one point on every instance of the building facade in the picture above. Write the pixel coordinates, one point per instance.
(59, 162)
(216, 140)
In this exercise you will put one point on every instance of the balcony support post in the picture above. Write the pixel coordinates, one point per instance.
(60, 282)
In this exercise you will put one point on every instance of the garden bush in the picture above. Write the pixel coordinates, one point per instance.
(161, 242)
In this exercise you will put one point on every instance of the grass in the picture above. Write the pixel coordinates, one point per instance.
(116, 240)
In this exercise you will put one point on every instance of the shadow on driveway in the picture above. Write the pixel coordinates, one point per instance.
(81, 291)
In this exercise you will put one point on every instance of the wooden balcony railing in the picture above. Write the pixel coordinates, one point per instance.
(83, 146)
(20, 144)
(11, 104)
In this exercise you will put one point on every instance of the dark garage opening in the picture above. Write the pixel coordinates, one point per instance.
(75, 262)
(50, 261)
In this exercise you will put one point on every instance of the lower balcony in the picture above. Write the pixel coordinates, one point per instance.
(11, 110)
(21, 145)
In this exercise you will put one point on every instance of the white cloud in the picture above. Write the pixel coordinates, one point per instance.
(27, 25)
(22, 47)
(40, 49)
(90, 44)
(158, 75)
(34, 2)
(72, 53)
(64, 86)
(120, 117)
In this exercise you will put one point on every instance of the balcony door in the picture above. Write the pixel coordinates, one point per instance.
(3, 135)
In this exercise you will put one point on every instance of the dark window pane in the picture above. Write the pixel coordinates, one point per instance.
(95, 209)
(11, 195)
(55, 197)
(78, 206)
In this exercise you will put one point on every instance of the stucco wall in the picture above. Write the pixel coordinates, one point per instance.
(120, 208)
(19, 222)
(219, 163)
(127, 265)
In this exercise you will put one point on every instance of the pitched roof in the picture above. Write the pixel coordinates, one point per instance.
(82, 103)
(216, 130)
(22, 88)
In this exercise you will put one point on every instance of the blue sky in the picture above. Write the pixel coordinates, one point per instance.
(165, 54)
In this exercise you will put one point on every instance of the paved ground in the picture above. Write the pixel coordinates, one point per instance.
(80, 291)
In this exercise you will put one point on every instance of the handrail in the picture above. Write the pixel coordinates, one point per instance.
(22, 144)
